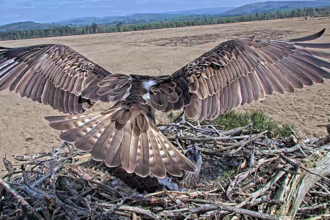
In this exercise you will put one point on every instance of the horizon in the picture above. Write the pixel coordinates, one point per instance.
(40, 11)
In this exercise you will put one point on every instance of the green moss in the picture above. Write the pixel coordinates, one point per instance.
(174, 115)
(232, 119)
(260, 122)
(231, 174)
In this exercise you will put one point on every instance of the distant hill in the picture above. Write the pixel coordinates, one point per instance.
(140, 18)
(203, 11)
(135, 18)
(275, 5)
(25, 26)
(169, 16)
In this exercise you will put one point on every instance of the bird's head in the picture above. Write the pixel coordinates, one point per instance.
(193, 155)
(191, 179)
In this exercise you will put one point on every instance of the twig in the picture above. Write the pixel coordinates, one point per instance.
(15, 194)
(307, 209)
(131, 209)
(300, 165)
(205, 208)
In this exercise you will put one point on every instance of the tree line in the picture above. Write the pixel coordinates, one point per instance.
(124, 27)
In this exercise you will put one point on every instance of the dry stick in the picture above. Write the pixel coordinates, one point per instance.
(15, 194)
(83, 176)
(29, 191)
(261, 191)
(236, 130)
(324, 188)
(190, 126)
(207, 138)
(219, 152)
(242, 176)
(52, 173)
(206, 208)
(130, 209)
(320, 217)
(216, 130)
(89, 209)
(244, 143)
(307, 209)
(9, 167)
(38, 155)
(322, 167)
(300, 165)
(115, 207)
(265, 199)
(69, 209)
(43, 178)
(172, 213)
(169, 196)
(33, 156)
(278, 151)
(197, 201)
(281, 194)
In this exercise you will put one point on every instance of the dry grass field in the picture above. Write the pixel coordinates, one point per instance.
(155, 52)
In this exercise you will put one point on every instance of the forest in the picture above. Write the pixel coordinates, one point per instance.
(124, 27)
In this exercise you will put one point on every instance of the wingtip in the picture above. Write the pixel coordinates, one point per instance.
(319, 34)
(4, 48)
(50, 119)
(309, 37)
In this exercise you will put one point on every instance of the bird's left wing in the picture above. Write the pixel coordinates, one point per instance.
(51, 74)
(240, 71)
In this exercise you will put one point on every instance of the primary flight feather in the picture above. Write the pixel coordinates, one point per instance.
(234, 73)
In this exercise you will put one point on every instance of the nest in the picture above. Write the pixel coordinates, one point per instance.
(245, 175)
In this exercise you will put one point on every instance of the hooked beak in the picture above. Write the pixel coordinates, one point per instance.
(196, 154)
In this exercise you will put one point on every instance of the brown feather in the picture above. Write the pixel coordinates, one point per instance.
(114, 150)
(170, 165)
(192, 111)
(105, 142)
(129, 147)
(156, 165)
(142, 158)
(87, 142)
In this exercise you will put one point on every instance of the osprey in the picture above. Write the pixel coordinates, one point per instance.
(234, 73)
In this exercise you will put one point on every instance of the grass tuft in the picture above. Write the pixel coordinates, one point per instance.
(232, 119)
(260, 122)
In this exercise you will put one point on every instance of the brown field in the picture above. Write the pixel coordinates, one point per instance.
(155, 52)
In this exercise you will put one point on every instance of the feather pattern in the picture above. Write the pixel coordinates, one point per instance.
(244, 70)
(137, 145)
(24, 70)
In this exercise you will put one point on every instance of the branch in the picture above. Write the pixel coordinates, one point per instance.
(206, 208)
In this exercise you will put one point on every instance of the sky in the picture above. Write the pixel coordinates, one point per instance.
(45, 11)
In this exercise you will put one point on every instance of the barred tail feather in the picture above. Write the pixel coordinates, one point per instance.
(119, 137)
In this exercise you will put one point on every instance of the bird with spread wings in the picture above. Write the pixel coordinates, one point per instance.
(234, 73)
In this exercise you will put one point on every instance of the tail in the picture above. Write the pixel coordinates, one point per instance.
(124, 136)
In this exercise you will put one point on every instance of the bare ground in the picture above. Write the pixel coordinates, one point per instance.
(156, 52)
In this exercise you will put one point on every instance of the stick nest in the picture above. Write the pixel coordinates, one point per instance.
(245, 175)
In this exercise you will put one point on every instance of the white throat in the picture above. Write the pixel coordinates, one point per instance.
(147, 85)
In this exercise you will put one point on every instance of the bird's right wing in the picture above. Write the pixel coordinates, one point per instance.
(240, 71)
(51, 74)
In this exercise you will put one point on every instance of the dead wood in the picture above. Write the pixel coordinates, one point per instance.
(244, 175)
